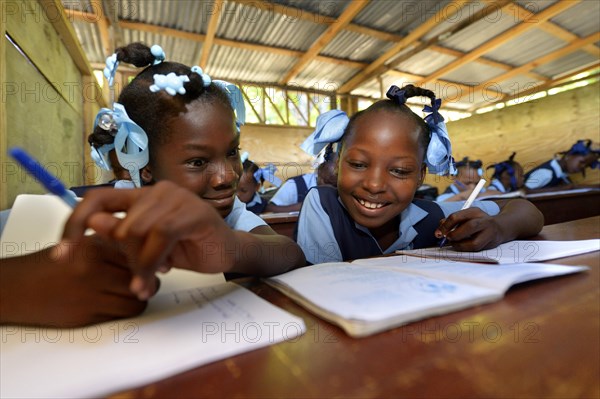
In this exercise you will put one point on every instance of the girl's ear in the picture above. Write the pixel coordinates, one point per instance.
(146, 174)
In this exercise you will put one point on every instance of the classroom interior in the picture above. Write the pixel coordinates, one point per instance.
(53, 52)
(534, 67)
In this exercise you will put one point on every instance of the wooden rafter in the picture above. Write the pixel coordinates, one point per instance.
(530, 22)
(258, 116)
(103, 26)
(349, 13)
(573, 46)
(447, 12)
(289, 100)
(210, 33)
(561, 33)
(274, 106)
(550, 84)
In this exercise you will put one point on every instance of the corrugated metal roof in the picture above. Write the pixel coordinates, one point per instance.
(296, 25)
(572, 19)
(355, 46)
(480, 32)
(526, 47)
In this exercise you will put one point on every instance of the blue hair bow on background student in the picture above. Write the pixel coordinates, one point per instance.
(584, 147)
(267, 173)
(330, 129)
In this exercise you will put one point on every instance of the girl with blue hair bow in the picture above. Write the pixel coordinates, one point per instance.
(383, 153)
(178, 133)
(507, 177)
(556, 171)
(468, 174)
(251, 183)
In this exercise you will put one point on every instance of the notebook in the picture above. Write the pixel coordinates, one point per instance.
(193, 320)
(518, 251)
(368, 296)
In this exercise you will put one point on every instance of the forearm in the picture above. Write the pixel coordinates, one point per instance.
(265, 255)
(519, 219)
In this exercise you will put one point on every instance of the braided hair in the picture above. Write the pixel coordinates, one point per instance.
(509, 166)
(151, 111)
(395, 107)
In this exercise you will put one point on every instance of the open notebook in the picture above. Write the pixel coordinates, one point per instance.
(518, 251)
(372, 295)
(193, 320)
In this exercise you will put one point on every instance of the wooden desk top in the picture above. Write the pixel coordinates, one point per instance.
(541, 340)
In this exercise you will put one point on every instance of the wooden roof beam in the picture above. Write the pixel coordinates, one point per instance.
(210, 33)
(349, 13)
(530, 22)
(447, 12)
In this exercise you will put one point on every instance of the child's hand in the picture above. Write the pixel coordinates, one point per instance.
(69, 285)
(470, 230)
(166, 226)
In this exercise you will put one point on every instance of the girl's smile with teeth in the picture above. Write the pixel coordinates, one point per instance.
(370, 205)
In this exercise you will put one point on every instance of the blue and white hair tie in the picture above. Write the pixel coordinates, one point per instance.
(158, 53)
(438, 157)
(111, 69)
(130, 145)
(330, 129)
(206, 80)
(171, 83)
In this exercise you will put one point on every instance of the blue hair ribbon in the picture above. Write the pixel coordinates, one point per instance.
(268, 173)
(330, 129)
(438, 157)
(130, 144)
(583, 147)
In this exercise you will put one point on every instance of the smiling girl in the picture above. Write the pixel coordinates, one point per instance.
(384, 151)
(176, 132)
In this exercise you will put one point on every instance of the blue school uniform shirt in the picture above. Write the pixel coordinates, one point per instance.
(497, 185)
(257, 205)
(548, 174)
(289, 194)
(317, 238)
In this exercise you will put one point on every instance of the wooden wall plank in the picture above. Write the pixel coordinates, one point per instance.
(43, 123)
(3, 135)
(536, 130)
(30, 27)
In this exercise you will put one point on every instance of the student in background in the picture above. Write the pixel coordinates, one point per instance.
(556, 171)
(290, 196)
(508, 176)
(107, 161)
(326, 172)
(384, 152)
(251, 183)
(185, 147)
(468, 174)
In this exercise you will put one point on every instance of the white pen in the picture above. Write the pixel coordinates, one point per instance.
(468, 202)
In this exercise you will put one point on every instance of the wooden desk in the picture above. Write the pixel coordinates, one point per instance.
(282, 223)
(558, 208)
(541, 340)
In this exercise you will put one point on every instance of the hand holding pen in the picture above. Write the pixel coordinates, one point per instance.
(467, 204)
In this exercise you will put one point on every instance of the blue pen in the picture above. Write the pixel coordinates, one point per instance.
(51, 183)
